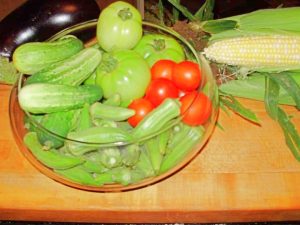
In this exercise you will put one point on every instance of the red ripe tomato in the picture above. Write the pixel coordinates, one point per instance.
(160, 89)
(186, 75)
(162, 69)
(142, 107)
(195, 108)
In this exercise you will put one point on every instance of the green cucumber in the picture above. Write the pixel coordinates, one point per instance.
(58, 123)
(32, 57)
(72, 71)
(47, 98)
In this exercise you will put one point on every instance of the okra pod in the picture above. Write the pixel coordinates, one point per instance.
(154, 153)
(130, 154)
(191, 136)
(157, 118)
(84, 120)
(89, 139)
(79, 175)
(144, 164)
(115, 113)
(113, 100)
(51, 158)
(110, 157)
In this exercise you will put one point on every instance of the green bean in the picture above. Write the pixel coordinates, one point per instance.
(115, 113)
(51, 158)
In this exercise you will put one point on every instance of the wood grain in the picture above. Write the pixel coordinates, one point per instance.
(244, 173)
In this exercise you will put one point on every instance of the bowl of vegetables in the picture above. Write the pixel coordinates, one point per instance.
(109, 114)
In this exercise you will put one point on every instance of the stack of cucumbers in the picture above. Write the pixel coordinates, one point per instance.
(81, 134)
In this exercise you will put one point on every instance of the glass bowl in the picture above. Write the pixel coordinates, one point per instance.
(125, 176)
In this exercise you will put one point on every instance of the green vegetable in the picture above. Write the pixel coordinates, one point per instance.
(115, 113)
(253, 87)
(154, 47)
(47, 98)
(91, 138)
(130, 154)
(292, 137)
(110, 157)
(8, 73)
(154, 153)
(32, 57)
(125, 176)
(155, 120)
(113, 100)
(93, 163)
(57, 125)
(79, 175)
(51, 158)
(144, 164)
(84, 118)
(119, 27)
(181, 145)
(71, 71)
(123, 72)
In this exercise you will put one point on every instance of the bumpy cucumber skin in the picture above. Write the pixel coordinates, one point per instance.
(48, 98)
(50, 158)
(72, 71)
(59, 123)
(32, 57)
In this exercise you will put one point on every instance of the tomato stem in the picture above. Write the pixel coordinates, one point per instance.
(109, 63)
(125, 14)
(159, 44)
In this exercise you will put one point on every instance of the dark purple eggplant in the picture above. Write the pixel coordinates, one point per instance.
(38, 20)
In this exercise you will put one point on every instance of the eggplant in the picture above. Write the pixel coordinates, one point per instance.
(38, 20)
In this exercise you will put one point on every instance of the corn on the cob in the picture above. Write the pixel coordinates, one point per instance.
(269, 52)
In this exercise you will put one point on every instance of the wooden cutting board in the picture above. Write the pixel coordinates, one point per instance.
(244, 173)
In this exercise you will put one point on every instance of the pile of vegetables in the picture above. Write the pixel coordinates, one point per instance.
(129, 107)
(257, 56)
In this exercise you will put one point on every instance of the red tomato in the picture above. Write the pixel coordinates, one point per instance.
(186, 75)
(195, 108)
(159, 89)
(162, 69)
(142, 107)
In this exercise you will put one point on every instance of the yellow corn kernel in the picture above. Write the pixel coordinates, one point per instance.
(256, 51)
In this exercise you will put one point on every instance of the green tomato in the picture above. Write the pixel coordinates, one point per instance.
(123, 72)
(119, 27)
(154, 47)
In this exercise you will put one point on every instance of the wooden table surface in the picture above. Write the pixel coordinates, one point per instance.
(245, 173)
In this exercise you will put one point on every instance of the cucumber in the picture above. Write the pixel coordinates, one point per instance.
(32, 57)
(72, 71)
(58, 123)
(48, 98)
